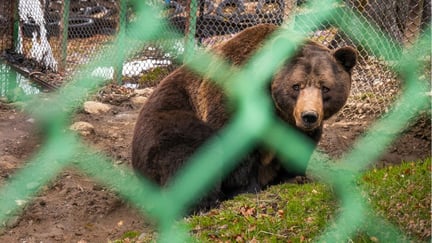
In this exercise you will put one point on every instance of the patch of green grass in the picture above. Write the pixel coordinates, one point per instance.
(402, 194)
(130, 234)
(298, 213)
(153, 76)
(136, 237)
(281, 213)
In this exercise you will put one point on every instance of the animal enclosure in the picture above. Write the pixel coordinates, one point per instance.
(57, 53)
(391, 85)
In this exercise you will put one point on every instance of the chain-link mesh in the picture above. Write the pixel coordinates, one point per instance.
(322, 19)
(6, 25)
(375, 85)
(91, 25)
(49, 36)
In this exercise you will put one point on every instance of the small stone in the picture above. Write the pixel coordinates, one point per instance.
(8, 162)
(83, 128)
(374, 239)
(144, 92)
(98, 187)
(119, 162)
(94, 107)
(142, 236)
(139, 100)
(12, 221)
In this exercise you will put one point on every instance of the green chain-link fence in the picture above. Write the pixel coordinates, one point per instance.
(63, 148)
(92, 24)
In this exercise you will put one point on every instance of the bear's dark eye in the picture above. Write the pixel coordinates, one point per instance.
(325, 89)
(296, 87)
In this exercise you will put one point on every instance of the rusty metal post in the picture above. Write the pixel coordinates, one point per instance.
(14, 22)
(121, 34)
(63, 30)
(190, 28)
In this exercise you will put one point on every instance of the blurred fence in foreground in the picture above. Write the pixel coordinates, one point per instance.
(62, 148)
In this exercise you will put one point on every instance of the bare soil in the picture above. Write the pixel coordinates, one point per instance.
(74, 208)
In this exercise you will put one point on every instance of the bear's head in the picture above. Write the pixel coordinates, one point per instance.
(313, 85)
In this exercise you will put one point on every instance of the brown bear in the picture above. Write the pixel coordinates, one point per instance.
(185, 110)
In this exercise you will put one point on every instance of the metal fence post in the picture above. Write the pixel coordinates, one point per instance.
(64, 25)
(191, 10)
(118, 69)
(15, 22)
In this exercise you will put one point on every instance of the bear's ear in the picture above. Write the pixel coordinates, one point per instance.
(347, 57)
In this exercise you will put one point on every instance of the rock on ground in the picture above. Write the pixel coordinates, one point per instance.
(94, 107)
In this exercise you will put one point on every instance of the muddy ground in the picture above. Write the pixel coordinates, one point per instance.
(73, 208)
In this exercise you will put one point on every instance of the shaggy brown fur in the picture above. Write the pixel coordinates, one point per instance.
(185, 110)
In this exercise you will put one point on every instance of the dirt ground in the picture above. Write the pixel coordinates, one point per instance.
(73, 208)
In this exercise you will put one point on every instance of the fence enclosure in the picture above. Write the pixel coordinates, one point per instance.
(393, 39)
(44, 44)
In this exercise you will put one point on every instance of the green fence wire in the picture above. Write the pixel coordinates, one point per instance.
(254, 123)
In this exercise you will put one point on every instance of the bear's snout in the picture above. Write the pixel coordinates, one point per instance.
(309, 117)
(308, 120)
(308, 112)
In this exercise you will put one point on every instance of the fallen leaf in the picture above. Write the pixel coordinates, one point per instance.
(239, 238)
(247, 211)
(280, 213)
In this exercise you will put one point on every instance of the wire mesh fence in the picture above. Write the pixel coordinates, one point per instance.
(166, 206)
(6, 22)
(45, 41)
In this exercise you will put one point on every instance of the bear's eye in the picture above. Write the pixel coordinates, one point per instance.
(296, 87)
(325, 89)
